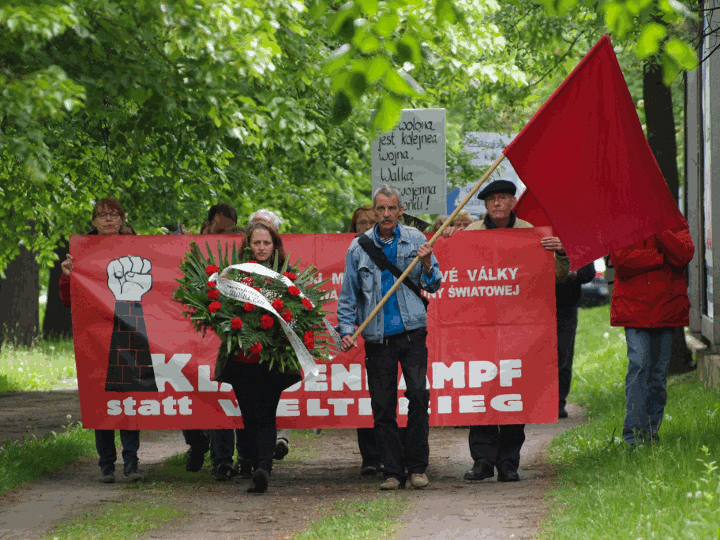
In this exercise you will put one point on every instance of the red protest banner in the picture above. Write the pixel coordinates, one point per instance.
(492, 337)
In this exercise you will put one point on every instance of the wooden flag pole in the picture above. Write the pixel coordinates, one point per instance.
(449, 220)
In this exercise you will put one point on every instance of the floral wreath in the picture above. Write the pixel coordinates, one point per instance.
(255, 310)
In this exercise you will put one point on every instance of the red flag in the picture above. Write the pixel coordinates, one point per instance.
(529, 209)
(586, 160)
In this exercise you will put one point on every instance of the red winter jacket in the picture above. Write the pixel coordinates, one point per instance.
(650, 285)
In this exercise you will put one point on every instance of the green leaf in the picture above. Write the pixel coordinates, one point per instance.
(401, 84)
(683, 53)
(355, 84)
(671, 68)
(445, 11)
(649, 41)
(370, 7)
(338, 59)
(388, 114)
(341, 107)
(377, 68)
(408, 50)
(386, 24)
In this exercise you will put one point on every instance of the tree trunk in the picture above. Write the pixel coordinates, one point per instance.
(19, 293)
(58, 321)
(660, 123)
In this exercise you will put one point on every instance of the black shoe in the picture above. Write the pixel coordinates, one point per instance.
(260, 482)
(508, 473)
(107, 476)
(480, 471)
(225, 471)
(562, 413)
(194, 459)
(281, 449)
(130, 470)
(245, 468)
(368, 469)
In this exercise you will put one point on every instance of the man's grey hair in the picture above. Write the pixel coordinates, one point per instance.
(388, 191)
(266, 215)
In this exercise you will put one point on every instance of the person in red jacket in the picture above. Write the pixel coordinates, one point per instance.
(650, 298)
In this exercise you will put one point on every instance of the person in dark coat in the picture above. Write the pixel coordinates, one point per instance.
(567, 299)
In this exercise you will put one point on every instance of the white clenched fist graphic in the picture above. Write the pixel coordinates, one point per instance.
(129, 278)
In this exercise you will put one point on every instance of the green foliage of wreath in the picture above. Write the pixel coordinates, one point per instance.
(244, 328)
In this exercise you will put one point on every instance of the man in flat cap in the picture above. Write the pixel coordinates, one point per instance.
(499, 446)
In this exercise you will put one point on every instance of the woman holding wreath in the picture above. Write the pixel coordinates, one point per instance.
(257, 387)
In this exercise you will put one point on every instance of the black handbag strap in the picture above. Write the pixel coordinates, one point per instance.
(383, 263)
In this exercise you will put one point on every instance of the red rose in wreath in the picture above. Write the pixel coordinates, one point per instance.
(266, 321)
(286, 315)
(211, 269)
(256, 348)
(211, 284)
(247, 306)
(307, 303)
(213, 294)
(253, 262)
(248, 281)
(257, 289)
(290, 275)
(236, 323)
(278, 304)
(214, 306)
(292, 289)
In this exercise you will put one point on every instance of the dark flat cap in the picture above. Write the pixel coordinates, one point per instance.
(498, 186)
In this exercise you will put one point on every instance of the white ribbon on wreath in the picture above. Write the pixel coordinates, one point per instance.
(243, 293)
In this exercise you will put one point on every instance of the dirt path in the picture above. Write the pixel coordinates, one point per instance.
(320, 470)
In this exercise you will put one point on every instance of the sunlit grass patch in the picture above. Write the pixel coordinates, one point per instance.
(608, 489)
(28, 459)
(46, 365)
(358, 519)
(119, 520)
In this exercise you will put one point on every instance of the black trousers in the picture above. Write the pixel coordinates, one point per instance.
(409, 350)
(368, 446)
(258, 394)
(497, 445)
(567, 321)
(220, 442)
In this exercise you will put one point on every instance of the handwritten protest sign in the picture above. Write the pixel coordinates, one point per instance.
(412, 159)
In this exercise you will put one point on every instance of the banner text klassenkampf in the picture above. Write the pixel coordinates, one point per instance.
(491, 337)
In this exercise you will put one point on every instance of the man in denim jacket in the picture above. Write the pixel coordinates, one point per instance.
(396, 334)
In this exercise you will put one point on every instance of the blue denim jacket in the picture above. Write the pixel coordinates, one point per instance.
(361, 288)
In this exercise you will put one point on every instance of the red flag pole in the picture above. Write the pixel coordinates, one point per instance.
(449, 220)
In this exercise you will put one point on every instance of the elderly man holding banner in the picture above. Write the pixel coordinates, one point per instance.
(498, 446)
(395, 333)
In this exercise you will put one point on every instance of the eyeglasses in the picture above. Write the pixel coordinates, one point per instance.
(104, 215)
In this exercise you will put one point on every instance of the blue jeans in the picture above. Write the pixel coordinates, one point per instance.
(105, 445)
(646, 380)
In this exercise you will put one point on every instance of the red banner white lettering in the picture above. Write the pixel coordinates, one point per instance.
(491, 337)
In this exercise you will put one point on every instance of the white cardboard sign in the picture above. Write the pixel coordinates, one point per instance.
(412, 159)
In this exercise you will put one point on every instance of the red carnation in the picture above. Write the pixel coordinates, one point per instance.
(211, 269)
(253, 262)
(248, 281)
(214, 306)
(247, 306)
(292, 289)
(286, 315)
(211, 284)
(278, 304)
(257, 289)
(290, 275)
(236, 324)
(307, 303)
(309, 339)
(256, 348)
(213, 294)
(266, 321)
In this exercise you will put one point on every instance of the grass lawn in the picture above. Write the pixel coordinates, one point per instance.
(607, 490)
